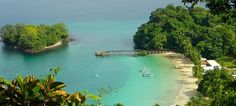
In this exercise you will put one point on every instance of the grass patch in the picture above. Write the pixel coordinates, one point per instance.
(227, 61)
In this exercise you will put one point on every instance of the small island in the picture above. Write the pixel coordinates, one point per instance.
(33, 38)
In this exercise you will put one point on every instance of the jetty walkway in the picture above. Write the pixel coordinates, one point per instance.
(130, 52)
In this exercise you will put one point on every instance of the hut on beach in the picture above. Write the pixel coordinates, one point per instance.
(208, 65)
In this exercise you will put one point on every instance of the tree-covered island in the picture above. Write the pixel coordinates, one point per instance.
(33, 38)
(177, 28)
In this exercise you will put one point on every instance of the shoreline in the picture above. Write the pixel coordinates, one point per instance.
(57, 44)
(188, 86)
(30, 51)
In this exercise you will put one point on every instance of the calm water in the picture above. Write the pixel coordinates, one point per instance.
(96, 25)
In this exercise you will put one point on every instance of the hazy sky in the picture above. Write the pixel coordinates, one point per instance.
(38, 10)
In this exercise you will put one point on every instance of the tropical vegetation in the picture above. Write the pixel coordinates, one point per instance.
(216, 89)
(215, 6)
(191, 33)
(32, 38)
(45, 91)
(197, 32)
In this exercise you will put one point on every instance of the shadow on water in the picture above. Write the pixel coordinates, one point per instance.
(10, 51)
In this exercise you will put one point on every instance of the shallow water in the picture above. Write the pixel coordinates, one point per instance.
(96, 25)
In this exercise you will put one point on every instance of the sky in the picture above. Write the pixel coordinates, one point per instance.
(12, 11)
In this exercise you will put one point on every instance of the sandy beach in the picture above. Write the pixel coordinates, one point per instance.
(59, 43)
(188, 86)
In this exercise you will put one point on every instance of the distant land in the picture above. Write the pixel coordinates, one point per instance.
(34, 38)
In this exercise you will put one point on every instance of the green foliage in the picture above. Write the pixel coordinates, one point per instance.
(216, 83)
(220, 6)
(219, 87)
(142, 53)
(227, 61)
(226, 100)
(199, 101)
(93, 97)
(153, 38)
(215, 6)
(192, 32)
(30, 91)
(31, 37)
(11, 31)
(197, 72)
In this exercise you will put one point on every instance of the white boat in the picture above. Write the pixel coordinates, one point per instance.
(148, 74)
(144, 70)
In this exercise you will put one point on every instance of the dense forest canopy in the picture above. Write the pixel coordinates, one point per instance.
(215, 6)
(32, 37)
(178, 29)
(219, 86)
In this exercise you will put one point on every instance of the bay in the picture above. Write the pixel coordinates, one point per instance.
(96, 25)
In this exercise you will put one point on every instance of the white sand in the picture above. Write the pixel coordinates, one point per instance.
(54, 45)
(188, 86)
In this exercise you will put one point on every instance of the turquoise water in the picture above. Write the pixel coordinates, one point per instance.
(96, 25)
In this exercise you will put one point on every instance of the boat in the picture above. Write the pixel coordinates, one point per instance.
(144, 70)
(148, 74)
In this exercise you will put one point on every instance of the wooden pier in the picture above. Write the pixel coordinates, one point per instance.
(129, 52)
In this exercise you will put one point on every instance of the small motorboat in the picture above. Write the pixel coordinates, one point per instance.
(144, 70)
(148, 74)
